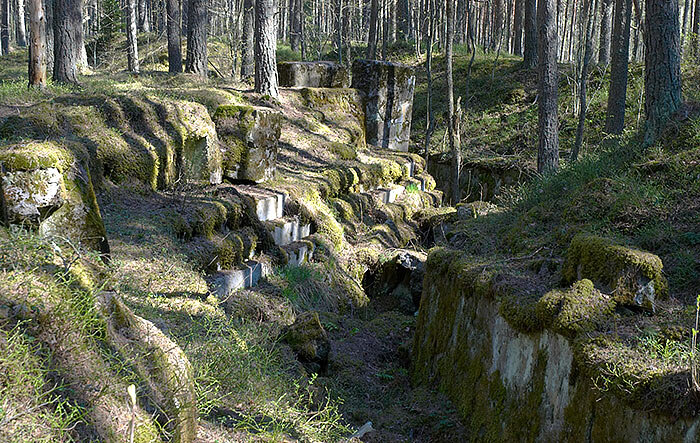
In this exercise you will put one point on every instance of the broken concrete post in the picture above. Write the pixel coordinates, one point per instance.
(47, 187)
(388, 89)
(313, 75)
(250, 137)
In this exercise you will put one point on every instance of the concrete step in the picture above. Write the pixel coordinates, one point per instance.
(299, 253)
(269, 205)
(287, 230)
(410, 167)
(247, 276)
(388, 195)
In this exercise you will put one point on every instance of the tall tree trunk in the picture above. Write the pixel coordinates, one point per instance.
(295, 24)
(20, 25)
(143, 16)
(430, 123)
(662, 70)
(385, 28)
(48, 12)
(619, 61)
(5, 27)
(132, 53)
(518, 18)
(174, 36)
(452, 116)
(266, 80)
(605, 32)
(548, 149)
(589, 18)
(339, 29)
(302, 26)
(197, 25)
(37, 46)
(68, 40)
(497, 24)
(248, 42)
(372, 39)
(530, 53)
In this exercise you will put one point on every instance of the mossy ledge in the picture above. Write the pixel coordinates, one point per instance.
(635, 277)
(517, 363)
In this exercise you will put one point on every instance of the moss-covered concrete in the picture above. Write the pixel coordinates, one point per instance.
(635, 277)
(523, 367)
(71, 212)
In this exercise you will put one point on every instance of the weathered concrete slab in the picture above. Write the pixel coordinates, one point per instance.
(248, 276)
(299, 253)
(46, 186)
(388, 88)
(269, 205)
(250, 137)
(321, 74)
(288, 230)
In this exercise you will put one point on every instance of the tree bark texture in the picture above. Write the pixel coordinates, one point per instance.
(5, 27)
(37, 44)
(530, 51)
(248, 41)
(518, 18)
(583, 80)
(372, 39)
(548, 42)
(68, 40)
(662, 70)
(619, 61)
(174, 36)
(20, 25)
(452, 126)
(605, 31)
(266, 80)
(48, 12)
(132, 53)
(197, 25)
(295, 22)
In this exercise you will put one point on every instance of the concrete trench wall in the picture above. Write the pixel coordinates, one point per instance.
(511, 386)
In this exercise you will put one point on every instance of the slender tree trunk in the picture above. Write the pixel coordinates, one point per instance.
(266, 80)
(174, 37)
(497, 24)
(197, 25)
(5, 27)
(430, 123)
(247, 59)
(385, 28)
(143, 16)
(617, 95)
(518, 18)
(662, 73)
(684, 26)
(452, 126)
(605, 32)
(48, 12)
(548, 150)
(302, 31)
(372, 39)
(339, 29)
(295, 22)
(132, 53)
(68, 40)
(20, 25)
(583, 81)
(530, 53)
(37, 46)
